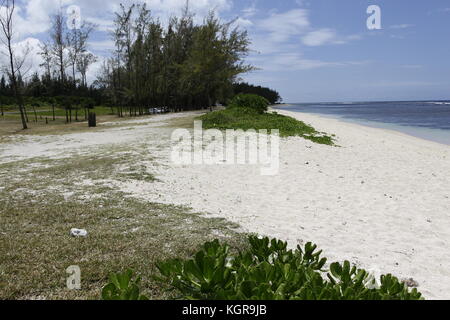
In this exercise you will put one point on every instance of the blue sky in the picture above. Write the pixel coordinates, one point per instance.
(316, 50)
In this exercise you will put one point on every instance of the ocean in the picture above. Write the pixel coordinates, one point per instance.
(428, 120)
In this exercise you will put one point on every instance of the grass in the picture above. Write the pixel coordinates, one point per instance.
(62, 113)
(46, 110)
(41, 199)
(138, 173)
(237, 118)
(123, 233)
(10, 125)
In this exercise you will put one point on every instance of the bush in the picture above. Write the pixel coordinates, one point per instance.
(269, 271)
(246, 119)
(121, 286)
(250, 101)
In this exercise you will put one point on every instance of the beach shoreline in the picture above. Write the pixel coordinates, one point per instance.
(428, 135)
(359, 124)
(380, 199)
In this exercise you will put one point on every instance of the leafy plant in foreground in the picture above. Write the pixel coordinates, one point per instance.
(121, 286)
(269, 271)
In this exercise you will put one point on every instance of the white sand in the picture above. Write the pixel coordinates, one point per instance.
(63, 146)
(381, 200)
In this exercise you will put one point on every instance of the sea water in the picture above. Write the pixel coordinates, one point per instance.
(423, 119)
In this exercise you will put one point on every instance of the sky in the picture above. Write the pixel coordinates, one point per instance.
(308, 50)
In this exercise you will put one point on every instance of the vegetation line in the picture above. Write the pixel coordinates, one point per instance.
(250, 112)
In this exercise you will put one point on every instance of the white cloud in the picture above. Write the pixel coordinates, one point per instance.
(28, 48)
(412, 66)
(197, 5)
(279, 38)
(282, 26)
(33, 17)
(401, 26)
(167, 8)
(290, 61)
(327, 36)
(94, 69)
(102, 46)
(243, 23)
(302, 3)
(319, 37)
(250, 11)
(34, 59)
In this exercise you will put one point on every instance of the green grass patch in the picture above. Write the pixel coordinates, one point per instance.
(42, 199)
(62, 112)
(246, 119)
(46, 111)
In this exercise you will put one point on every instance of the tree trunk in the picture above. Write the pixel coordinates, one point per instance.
(210, 104)
(73, 74)
(35, 114)
(26, 114)
(16, 87)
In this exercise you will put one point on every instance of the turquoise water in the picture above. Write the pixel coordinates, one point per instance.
(424, 119)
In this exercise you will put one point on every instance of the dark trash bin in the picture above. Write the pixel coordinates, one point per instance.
(92, 120)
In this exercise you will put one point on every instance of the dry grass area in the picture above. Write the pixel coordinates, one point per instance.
(11, 126)
(41, 199)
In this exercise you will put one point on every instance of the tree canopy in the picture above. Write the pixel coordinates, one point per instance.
(178, 65)
(271, 95)
(181, 66)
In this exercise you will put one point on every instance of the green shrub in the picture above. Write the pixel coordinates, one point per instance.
(246, 118)
(121, 286)
(250, 101)
(269, 271)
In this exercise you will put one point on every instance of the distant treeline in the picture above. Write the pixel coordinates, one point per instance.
(180, 65)
(43, 89)
(271, 95)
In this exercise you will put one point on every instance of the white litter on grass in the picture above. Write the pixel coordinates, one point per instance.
(78, 233)
(68, 195)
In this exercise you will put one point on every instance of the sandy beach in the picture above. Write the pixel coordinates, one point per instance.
(380, 200)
